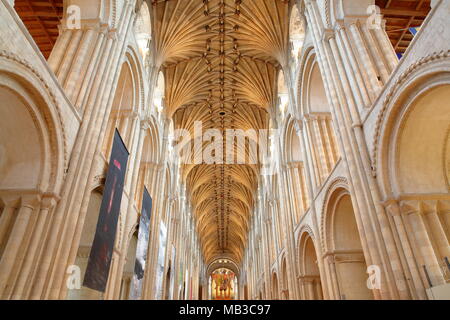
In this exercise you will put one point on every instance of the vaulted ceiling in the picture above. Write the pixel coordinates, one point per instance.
(220, 59)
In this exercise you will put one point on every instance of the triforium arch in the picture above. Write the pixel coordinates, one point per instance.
(310, 276)
(128, 102)
(294, 157)
(315, 109)
(411, 157)
(344, 253)
(284, 280)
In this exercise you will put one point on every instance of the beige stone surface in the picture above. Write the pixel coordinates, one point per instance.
(357, 205)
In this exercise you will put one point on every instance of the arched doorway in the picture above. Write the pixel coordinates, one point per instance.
(200, 292)
(310, 279)
(246, 292)
(275, 293)
(128, 270)
(285, 281)
(346, 250)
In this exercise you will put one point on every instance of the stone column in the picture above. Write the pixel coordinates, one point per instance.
(393, 208)
(417, 230)
(332, 279)
(12, 203)
(37, 238)
(19, 239)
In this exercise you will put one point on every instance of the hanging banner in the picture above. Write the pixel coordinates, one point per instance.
(100, 257)
(142, 247)
(161, 261)
(173, 276)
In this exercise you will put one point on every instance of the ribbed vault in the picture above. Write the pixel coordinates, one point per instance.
(220, 59)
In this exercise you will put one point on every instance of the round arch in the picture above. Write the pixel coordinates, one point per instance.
(285, 280)
(31, 113)
(275, 294)
(310, 277)
(343, 244)
(412, 156)
(416, 102)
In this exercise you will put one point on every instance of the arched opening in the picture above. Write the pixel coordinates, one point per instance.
(296, 32)
(275, 293)
(349, 262)
(200, 292)
(128, 271)
(223, 285)
(296, 168)
(86, 240)
(285, 281)
(143, 32)
(319, 123)
(31, 171)
(423, 145)
(168, 282)
(148, 162)
(317, 98)
(246, 292)
(417, 150)
(124, 109)
(21, 158)
(310, 280)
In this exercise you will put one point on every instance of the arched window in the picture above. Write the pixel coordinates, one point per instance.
(296, 32)
(143, 31)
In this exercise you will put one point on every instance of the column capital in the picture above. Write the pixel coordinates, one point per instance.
(30, 201)
(328, 34)
(410, 206)
(392, 207)
(49, 201)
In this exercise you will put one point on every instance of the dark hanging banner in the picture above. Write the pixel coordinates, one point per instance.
(142, 247)
(100, 257)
